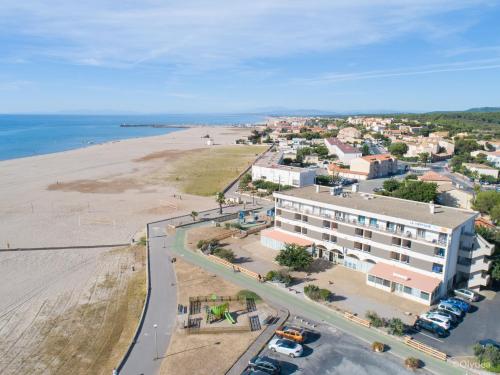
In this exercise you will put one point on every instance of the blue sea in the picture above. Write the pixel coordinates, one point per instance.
(28, 135)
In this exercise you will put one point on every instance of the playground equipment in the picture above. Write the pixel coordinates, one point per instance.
(228, 316)
(241, 217)
(219, 310)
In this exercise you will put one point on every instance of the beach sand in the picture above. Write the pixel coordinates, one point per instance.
(99, 195)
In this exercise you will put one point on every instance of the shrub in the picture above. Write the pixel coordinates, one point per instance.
(237, 225)
(226, 254)
(378, 346)
(280, 276)
(142, 241)
(396, 327)
(316, 294)
(374, 319)
(227, 225)
(200, 244)
(412, 363)
(245, 293)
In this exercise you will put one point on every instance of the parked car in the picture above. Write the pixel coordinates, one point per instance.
(287, 347)
(429, 326)
(292, 333)
(251, 371)
(445, 306)
(265, 364)
(461, 304)
(466, 294)
(453, 318)
(486, 342)
(443, 322)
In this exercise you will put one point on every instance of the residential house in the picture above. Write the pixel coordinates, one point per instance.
(482, 170)
(346, 153)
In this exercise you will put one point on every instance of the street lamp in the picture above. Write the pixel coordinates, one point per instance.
(155, 326)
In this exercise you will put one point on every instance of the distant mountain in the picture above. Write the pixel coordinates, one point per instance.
(484, 109)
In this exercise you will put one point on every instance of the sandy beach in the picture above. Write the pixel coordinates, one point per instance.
(101, 194)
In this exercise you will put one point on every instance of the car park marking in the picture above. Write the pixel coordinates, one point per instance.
(431, 337)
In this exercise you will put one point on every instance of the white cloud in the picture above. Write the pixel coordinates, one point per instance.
(472, 65)
(210, 34)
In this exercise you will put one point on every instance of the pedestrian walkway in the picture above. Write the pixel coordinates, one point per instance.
(258, 344)
(310, 310)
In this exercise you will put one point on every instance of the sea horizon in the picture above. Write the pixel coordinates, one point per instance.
(25, 135)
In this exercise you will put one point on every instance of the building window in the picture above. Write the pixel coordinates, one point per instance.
(396, 241)
(358, 232)
(335, 226)
(278, 212)
(278, 223)
(407, 244)
(405, 258)
(304, 230)
(297, 229)
(421, 233)
(424, 296)
(439, 252)
(325, 237)
(297, 216)
(358, 245)
(443, 237)
(367, 248)
(437, 268)
(368, 234)
(387, 283)
(373, 222)
(407, 290)
(305, 218)
(326, 224)
(361, 219)
(371, 278)
(333, 239)
(391, 227)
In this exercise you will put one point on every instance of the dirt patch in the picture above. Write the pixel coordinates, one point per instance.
(114, 186)
(87, 333)
(203, 233)
(207, 353)
(167, 155)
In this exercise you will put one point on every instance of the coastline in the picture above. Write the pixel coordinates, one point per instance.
(100, 194)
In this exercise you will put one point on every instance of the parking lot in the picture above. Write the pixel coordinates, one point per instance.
(479, 324)
(330, 351)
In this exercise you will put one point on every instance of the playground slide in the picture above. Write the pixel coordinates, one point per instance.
(228, 316)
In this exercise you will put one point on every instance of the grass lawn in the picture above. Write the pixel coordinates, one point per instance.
(205, 172)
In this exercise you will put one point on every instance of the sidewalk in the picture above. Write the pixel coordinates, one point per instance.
(258, 344)
(300, 306)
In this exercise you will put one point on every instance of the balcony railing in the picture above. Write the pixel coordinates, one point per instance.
(342, 219)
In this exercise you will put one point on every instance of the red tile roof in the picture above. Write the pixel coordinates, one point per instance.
(402, 276)
(433, 176)
(378, 157)
(345, 148)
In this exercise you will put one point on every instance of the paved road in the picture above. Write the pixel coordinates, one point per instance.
(161, 310)
(443, 168)
(300, 306)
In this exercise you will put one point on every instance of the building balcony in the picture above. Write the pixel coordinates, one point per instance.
(469, 266)
(478, 247)
(478, 281)
(368, 225)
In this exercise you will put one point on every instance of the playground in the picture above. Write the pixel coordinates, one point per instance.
(218, 314)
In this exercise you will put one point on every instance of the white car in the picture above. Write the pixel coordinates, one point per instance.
(443, 322)
(284, 346)
(466, 294)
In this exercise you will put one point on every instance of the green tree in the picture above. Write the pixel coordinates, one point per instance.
(245, 180)
(486, 200)
(398, 149)
(365, 150)
(423, 157)
(495, 270)
(220, 198)
(417, 191)
(495, 213)
(396, 327)
(294, 257)
(391, 184)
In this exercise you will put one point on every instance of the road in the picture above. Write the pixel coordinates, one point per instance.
(162, 308)
(443, 168)
(297, 305)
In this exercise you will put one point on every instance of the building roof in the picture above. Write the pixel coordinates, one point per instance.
(285, 237)
(403, 276)
(335, 168)
(379, 157)
(479, 166)
(345, 148)
(444, 216)
(433, 176)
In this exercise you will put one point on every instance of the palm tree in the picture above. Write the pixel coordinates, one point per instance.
(220, 198)
(194, 214)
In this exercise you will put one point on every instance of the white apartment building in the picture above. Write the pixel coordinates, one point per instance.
(482, 170)
(346, 153)
(284, 175)
(416, 250)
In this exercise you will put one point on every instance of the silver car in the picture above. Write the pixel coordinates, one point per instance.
(466, 294)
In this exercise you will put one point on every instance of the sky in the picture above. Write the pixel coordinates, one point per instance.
(193, 56)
